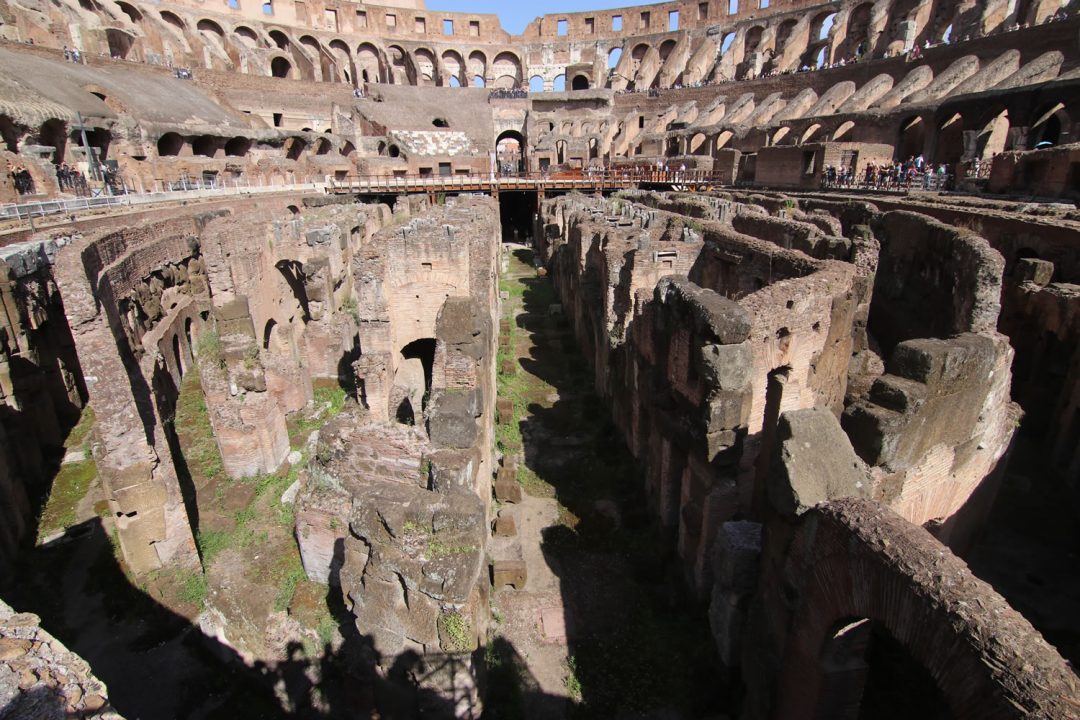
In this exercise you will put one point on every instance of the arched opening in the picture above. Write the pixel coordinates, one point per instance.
(177, 355)
(323, 147)
(268, 333)
(723, 138)
(133, 14)
(209, 27)
(454, 82)
(237, 147)
(580, 82)
(822, 57)
(725, 45)
(613, 57)
(424, 351)
(204, 145)
(294, 148)
(53, 133)
(173, 19)
(440, 122)
(950, 140)
(478, 81)
(857, 38)
(507, 65)
(9, 133)
(477, 67)
(367, 63)
(510, 150)
(753, 38)
(281, 40)
(844, 131)
(1046, 130)
(348, 149)
(780, 135)
(809, 133)
(636, 56)
(536, 84)
(560, 152)
(912, 138)
(425, 66)
(280, 67)
(393, 151)
(454, 66)
(697, 144)
(867, 673)
(822, 25)
(594, 149)
(169, 145)
(559, 85)
(783, 35)
(246, 36)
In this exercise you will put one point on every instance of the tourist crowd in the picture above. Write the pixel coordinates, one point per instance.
(915, 172)
(22, 180)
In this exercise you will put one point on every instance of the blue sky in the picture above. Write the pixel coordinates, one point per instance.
(516, 14)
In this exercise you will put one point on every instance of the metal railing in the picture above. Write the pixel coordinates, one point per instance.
(606, 179)
(42, 208)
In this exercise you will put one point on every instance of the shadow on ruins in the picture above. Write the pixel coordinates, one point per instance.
(158, 665)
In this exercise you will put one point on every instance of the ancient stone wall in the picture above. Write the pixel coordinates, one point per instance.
(849, 568)
(394, 508)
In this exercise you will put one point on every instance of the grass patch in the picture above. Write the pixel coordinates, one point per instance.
(191, 587)
(287, 574)
(72, 481)
(456, 631)
(192, 424)
(328, 400)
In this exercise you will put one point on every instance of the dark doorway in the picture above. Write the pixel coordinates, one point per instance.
(517, 210)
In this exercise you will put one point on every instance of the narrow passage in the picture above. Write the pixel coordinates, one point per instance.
(602, 626)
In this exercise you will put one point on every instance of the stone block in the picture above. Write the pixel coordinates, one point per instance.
(813, 462)
(505, 525)
(509, 572)
(1033, 270)
(451, 419)
(508, 367)
(504, 410)
(508, 491)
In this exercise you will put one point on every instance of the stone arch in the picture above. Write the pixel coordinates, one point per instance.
(10, 134)
(476, 66)
(613, 57)
(580, 82)
(269, 333)
(665, 49)
(323, 146)
(294, 147)
(559, 83)
(536, 84)
(950, 140)
(397, 65)
(454, 65)
(506, 64)
(170, 145)
(53, 133)
(173, 19)
(838, 572)
(1049, 124)
(319, 57)
(280, 67)
(753, 38)
(237, 146)
(809, 133)
(208, 26)
(342, 55)
(780, 135)
(698, 146)
(637, 55)
(912, 140)
(510, 148)
(844, 131)
(425, 66)
(783, 35)
(280, 39)
(205, 145)
(128, 9)
(857, 36)
(368, 67)
(247, 36)
(347, 149)
(724, 138)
